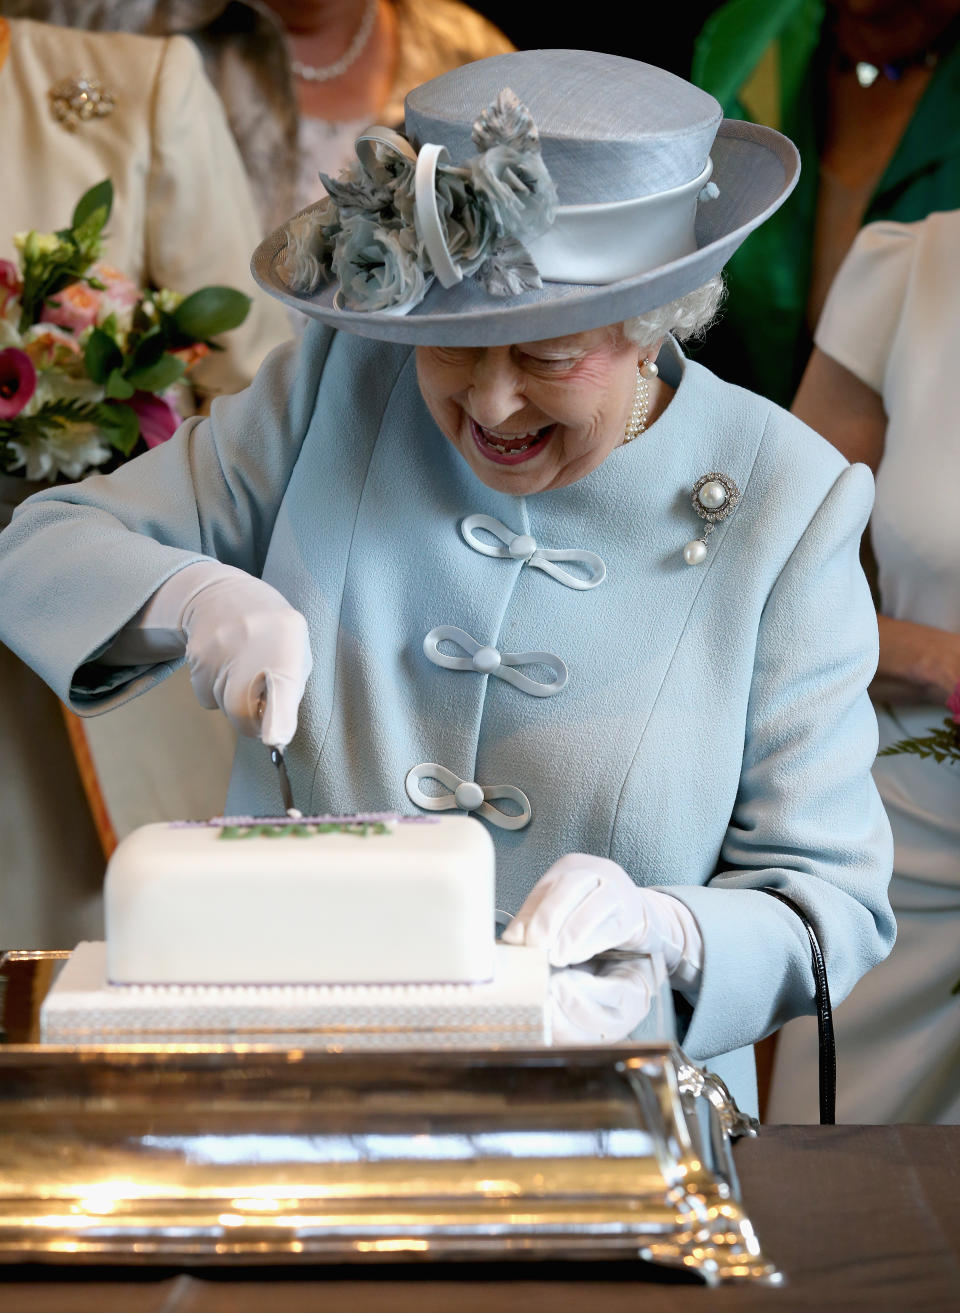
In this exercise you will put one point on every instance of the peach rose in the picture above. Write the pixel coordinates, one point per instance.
(74, 308)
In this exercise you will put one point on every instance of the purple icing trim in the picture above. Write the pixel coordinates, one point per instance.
(217, 822)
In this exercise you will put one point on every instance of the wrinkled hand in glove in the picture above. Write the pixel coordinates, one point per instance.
(247, 648)
(585, 905)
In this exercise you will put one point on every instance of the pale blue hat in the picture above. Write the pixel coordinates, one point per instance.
(616, 186)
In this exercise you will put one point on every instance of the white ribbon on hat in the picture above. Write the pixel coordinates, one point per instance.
(429, 227)
(604, 243)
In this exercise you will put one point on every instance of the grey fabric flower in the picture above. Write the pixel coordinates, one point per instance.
(510, 269)
(517, 187)
(377, 267)
(355, 192)
(366, 233)
(506, 122)
(470, 226)
(306, 259)
(404, 197)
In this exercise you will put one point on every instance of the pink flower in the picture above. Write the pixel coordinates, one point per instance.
(158, 420)
(10, 276)
(74, 308)
(10, 284)
(18, 381)
(118, 289)
(953, 705)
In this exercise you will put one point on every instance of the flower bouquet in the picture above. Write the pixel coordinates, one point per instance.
(91, 366)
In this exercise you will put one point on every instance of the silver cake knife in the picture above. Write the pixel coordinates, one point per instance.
(286, 792)
(276, 756)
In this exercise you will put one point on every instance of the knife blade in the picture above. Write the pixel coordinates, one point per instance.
(286, 792)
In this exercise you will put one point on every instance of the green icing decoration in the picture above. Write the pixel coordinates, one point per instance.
(304, 829)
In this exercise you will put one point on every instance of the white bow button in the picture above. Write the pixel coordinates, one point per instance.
(466, 795)
(522, 547)
(488, 661)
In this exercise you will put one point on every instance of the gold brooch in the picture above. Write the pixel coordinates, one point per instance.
(76, 100)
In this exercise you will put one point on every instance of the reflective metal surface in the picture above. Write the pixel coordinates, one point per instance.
(265, 1154)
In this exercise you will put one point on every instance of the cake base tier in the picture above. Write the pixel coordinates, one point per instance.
(83, 1007)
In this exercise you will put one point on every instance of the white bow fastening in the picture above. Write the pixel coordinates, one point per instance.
(521, 547)
(467, 796)
(489, 661)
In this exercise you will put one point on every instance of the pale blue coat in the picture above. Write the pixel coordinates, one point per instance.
(714, 737)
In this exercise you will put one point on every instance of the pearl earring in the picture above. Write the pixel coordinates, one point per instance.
(641, 407)
(714, 498)
(648, 368)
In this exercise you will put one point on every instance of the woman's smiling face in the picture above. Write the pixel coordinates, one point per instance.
(534, 416)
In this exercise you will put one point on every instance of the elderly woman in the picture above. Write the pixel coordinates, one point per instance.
(542, 568)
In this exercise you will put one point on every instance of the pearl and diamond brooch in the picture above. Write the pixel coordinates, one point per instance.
(714, 497)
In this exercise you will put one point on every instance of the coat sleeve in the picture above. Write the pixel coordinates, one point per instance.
(808, 820)
(78, 562)
(201, 221)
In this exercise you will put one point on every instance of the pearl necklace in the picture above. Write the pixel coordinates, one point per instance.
(641, 408)
(327, 72)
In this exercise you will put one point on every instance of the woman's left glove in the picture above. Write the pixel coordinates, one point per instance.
(584, 905)
(600, 1003)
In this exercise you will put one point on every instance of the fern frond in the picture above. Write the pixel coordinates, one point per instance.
(53, 414)
(943, 745)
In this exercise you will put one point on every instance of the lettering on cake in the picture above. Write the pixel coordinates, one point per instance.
(303, 829)
(281, 824)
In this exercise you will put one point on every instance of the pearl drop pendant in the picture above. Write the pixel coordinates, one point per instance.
(715, 496)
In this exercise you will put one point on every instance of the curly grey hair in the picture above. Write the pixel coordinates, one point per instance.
(687, 317)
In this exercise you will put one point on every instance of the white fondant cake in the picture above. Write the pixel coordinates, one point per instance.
(322, 900)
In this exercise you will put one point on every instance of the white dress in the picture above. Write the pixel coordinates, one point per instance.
(893, 319)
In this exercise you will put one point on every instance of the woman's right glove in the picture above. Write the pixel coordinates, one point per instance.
(585, 905)
(247, 648)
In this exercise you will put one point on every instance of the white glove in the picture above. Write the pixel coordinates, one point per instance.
(247, 648)
(584, 905)
(599, 1004)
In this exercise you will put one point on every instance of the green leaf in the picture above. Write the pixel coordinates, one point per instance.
(119, 387)
(158, 377)
(148, 350)
(209, 311)
(120, 427)
(98, 198)
(102, 356)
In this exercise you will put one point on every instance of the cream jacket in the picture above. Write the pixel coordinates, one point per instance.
(183, 215)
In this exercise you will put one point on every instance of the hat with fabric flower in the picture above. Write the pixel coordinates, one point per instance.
(535, 194)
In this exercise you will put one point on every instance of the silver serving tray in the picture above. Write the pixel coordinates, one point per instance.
(253, 1153)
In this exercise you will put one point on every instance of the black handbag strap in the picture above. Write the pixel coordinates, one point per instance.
(826, 1042)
